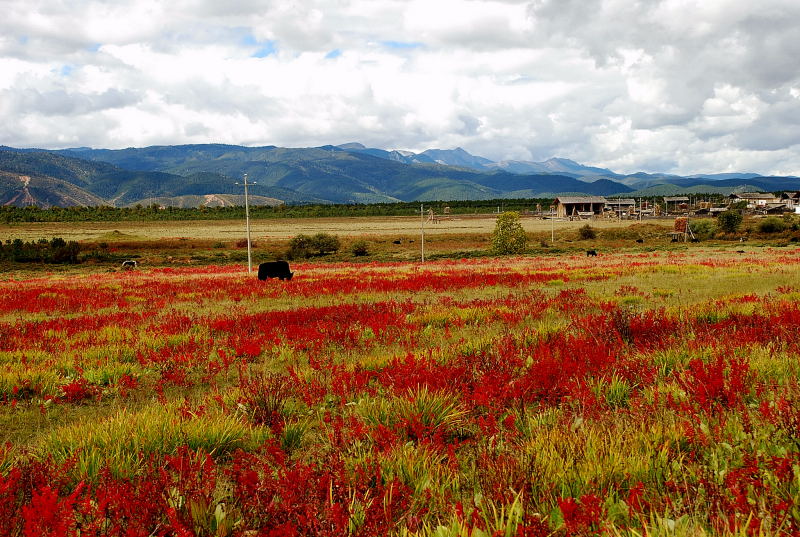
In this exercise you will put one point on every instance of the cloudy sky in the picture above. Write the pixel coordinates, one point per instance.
(681, 86)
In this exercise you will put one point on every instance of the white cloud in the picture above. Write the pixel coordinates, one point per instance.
(678, 86)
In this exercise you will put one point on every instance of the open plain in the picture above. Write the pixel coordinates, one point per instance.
(633, 393)
(280, 228)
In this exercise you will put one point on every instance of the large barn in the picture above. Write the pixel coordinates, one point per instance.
(579, 206)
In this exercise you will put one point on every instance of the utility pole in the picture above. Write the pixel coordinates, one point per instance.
(422, 231)
(247, 225)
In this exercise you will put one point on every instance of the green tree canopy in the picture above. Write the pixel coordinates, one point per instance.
(729, 221)
(509, 236)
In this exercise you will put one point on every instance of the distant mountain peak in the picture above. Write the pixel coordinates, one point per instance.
(562, 160)
(352, 146)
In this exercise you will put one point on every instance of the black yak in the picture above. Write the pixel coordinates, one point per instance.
(274, 269)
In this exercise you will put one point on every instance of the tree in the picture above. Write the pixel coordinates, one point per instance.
(308, 246)
(325, 243)
(299, 246)
(729, 221)
(509, 236)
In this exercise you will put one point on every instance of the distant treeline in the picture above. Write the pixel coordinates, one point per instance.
(10, 214)
(56, 250)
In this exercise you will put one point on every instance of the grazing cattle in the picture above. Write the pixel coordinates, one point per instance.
(592, 253)
(640, 241)
(274, 269)
(396, 242)
(129, 264)
(739, 251)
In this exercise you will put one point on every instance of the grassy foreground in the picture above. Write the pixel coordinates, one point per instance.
(633, 393)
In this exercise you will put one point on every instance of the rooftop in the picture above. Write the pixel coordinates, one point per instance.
(581, 199)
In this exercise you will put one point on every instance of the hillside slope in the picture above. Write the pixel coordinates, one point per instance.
(21, 190)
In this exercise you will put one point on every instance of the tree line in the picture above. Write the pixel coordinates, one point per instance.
(9, 214)
(56, 250)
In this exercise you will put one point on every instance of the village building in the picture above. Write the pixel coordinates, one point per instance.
(622, 207)
(775, 208)
(676, 204)
(579, 206)
(753, 199)
(791, 199)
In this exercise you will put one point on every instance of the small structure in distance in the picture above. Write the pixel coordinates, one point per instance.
(580, 206)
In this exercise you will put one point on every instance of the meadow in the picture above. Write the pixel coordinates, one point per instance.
(633, 393)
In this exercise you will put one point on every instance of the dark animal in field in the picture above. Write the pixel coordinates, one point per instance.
(674, 240)
(274, 269)
(640, 241)
(396, 242)
(694, 239)
(592, 253)
(739, 251)
(129, 264)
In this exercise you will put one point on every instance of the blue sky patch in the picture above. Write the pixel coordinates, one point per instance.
(267, 48)
(401, 45)
(335, 53)
(66, 70)
(262, 48)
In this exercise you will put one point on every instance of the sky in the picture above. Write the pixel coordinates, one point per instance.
(673, 86)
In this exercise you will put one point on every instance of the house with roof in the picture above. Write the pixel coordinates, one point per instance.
(791, 199)
(622, 207)
(579, 206)
(676, 204)
(754, 199)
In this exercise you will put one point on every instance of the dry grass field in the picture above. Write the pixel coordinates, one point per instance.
(280, 228)
(170, 243)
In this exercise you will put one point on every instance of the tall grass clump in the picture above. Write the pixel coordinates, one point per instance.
(124, 441)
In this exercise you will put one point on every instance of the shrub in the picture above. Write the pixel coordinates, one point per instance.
(308, 246)
(772, 224)
(324, 243)
(587, 232)
(242, 243)
(729, 221)
(509, 236)
(360, 248)
(299, 246)
(704, 228)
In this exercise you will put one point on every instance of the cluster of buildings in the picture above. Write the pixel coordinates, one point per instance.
(582, 207)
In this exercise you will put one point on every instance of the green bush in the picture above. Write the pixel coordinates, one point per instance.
(587, 232)
(509, 236)
(305, 246)
(299, 246)
(360, 248)
(324, 243)
(703, 229)
(772, 224)
(729, 221)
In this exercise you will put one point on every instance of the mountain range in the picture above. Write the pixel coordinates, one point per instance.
(211, 174)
